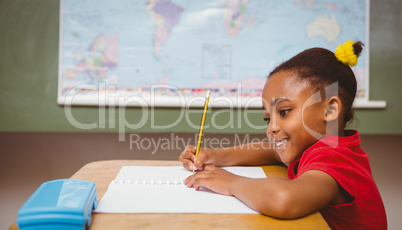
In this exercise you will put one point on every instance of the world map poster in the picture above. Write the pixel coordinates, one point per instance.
(170, 52)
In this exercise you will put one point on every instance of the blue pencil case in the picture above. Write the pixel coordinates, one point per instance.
(59, 204)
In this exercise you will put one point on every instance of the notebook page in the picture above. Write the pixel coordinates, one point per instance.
(160, 189)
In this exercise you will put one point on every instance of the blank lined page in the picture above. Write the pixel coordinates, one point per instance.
(160, 189)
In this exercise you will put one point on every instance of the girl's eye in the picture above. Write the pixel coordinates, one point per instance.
(267, 119)
(284, 112)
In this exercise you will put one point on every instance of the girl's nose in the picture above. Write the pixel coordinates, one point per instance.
(272, 127)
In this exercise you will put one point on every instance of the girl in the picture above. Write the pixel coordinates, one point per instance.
(307, 103)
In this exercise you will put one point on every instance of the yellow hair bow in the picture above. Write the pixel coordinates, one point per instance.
(346, 53)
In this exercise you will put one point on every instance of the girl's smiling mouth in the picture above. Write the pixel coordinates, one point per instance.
(280, 144)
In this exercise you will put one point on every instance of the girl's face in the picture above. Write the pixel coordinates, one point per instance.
(292, 112)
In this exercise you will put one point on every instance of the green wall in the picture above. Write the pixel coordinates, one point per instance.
(29, 36)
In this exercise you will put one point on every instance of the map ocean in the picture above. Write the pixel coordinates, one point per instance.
(191, 45)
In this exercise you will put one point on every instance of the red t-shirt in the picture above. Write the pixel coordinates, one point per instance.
(344, 160)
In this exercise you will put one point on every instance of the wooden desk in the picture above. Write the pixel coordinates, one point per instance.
(103, 172)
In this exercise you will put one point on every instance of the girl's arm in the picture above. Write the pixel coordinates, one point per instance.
(273, 196)
(259, 153)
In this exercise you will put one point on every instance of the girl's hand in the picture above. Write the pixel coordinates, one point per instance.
(213, 178)
(190, 162)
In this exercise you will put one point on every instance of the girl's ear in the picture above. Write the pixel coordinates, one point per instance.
(333, 109)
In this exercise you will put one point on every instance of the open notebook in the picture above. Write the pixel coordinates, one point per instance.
(160, 189)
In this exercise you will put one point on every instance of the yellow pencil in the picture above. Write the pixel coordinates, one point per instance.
(202, 124)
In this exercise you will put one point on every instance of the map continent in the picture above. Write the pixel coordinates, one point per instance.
(234, 15)
(324, 26)
(166, 16)
(96, 63)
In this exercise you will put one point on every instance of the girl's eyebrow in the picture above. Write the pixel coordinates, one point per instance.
(276, 101)
(279, 100)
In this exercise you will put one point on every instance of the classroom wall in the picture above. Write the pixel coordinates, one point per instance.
(29, 73)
